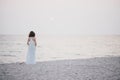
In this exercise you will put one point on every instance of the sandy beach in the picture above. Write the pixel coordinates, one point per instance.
(61, 58)
(74, 39)
(77, 69)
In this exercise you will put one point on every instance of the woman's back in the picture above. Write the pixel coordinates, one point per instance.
(31, 41)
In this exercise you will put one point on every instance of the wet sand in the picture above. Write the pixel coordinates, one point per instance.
(104, 68)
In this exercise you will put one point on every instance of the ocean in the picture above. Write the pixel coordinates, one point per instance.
(13, 48)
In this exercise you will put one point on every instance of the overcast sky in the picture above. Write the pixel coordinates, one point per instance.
(60, 16)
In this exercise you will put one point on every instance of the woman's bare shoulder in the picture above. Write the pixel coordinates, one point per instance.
(32, 38)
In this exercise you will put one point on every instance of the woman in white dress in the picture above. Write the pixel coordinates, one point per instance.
(30, 58)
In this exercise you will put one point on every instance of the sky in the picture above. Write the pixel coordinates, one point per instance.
(60, 16)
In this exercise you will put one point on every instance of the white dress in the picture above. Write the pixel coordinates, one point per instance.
(30, 58)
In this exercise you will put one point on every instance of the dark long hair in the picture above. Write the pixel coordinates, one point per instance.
(32, 34)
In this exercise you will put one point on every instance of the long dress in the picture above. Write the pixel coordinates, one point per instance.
(30, 58)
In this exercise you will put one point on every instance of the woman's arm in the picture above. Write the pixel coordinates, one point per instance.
(28, 41)
(35, 41)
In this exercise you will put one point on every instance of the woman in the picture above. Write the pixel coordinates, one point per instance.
(30, 59)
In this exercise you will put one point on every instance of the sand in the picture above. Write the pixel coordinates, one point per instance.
(104, 68)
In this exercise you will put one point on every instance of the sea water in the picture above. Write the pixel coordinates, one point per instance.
(13, 48)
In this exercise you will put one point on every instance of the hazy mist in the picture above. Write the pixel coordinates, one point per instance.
(60, 16)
